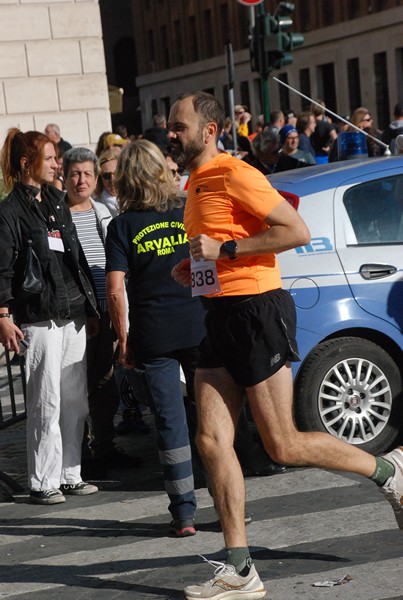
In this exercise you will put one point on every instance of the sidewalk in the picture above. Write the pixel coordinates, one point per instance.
(13, 461)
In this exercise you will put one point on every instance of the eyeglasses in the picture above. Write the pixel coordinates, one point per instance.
(294, 137)
(108, 175)
(176, 172)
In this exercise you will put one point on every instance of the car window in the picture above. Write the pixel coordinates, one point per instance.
(375, 209)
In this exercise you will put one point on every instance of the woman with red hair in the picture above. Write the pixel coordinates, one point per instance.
(45, 289)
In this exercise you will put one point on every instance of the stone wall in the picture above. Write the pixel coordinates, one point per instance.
(52, 68)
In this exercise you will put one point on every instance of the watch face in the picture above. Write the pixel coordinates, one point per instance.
(230, 248)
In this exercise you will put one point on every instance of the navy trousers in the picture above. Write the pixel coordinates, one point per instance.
(172, 432)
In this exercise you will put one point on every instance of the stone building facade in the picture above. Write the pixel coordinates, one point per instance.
(52, 68)
(352, 54)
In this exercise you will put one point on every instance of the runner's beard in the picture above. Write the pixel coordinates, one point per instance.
(185, 156)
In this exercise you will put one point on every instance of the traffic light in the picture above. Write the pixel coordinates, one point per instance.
(282, 42)
(271, 43)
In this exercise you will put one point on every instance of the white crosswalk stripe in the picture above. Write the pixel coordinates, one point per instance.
(138, 508)
(134, 557)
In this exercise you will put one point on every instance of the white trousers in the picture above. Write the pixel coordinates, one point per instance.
(57, 403)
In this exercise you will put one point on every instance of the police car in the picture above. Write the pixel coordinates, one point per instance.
(347, 284)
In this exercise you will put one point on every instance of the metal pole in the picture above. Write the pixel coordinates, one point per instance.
(265, 98)
(251, 18)
(264, 78)
(387, 150)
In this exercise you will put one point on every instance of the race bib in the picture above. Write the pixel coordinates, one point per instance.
(204, 277)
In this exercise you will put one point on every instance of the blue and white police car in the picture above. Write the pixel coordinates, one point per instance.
(347, 285)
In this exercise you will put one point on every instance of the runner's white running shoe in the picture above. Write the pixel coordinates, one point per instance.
(393, 488)
(227, 585)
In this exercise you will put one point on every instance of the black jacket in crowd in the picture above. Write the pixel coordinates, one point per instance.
(21, 207)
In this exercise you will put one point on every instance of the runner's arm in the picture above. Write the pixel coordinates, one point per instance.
(286, 230)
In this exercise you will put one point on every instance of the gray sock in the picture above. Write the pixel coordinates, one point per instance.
(383, 471)
(240, 559)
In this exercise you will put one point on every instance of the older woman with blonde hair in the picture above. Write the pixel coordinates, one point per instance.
(145, 241)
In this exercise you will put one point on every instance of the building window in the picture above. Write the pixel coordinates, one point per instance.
(328, 13)
(154, 107)
(327, 85)
(354, 87)
(304, 15)
(378, 5)
(166, 101)
(180, 59)
(258, 91)
(124, 55)
(192, 37)
(225, 98)
(353, 9)
(208, 39)
(381, 89)
(244, 90)
(151, 48)
(165, 48)
(244, 30)
(224, 22)
(305, 87)
(284, 93)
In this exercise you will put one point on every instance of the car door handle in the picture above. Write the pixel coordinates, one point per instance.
(376, 271)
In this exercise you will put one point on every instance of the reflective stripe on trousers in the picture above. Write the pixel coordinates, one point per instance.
(172, 433)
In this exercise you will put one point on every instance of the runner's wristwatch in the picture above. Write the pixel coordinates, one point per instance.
(229, 248)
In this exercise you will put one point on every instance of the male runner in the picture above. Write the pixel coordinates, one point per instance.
(236, 224)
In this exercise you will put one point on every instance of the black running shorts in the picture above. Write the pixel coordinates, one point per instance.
(251, 336)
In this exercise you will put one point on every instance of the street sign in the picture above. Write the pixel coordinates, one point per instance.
(250, 2)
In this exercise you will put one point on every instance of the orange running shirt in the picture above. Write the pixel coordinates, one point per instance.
(229, 199)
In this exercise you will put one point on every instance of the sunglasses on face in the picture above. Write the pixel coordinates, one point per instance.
(108, 175)
(176, 172)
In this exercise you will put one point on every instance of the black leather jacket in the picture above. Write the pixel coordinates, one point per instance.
(20, 207)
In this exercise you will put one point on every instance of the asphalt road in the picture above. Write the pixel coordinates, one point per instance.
(308, 526)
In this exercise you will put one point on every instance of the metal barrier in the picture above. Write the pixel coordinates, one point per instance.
(12, 390)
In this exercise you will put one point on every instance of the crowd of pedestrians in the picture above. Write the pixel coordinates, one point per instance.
(309, 137)
(98, 251)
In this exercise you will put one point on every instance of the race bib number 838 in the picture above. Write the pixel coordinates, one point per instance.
(204, 277)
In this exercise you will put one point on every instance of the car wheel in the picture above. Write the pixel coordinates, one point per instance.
(351, 388)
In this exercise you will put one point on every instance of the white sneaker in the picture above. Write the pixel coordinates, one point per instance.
(227, 584)
(393, 488)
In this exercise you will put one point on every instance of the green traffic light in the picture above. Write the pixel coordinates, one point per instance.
(286, 59)
(271, 43)
(296, 39)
